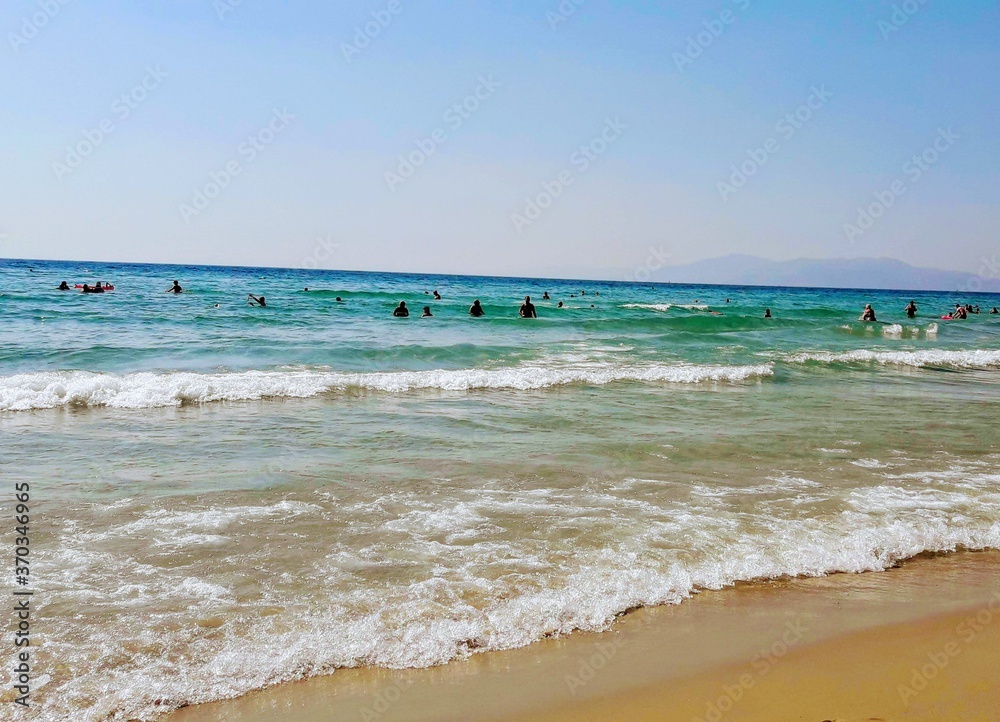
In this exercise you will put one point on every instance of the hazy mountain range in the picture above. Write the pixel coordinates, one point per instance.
(875, 273)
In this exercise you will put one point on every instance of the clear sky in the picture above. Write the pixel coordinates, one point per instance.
(123, 121)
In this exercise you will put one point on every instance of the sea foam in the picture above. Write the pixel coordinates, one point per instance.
(48, 390)
(973, 358)
(429, 590)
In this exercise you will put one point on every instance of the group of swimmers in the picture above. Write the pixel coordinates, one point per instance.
(527, 309)
(960, 312)
(87, 288)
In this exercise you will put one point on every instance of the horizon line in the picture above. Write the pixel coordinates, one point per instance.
(540, 278)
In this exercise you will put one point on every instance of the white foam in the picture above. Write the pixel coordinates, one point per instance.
(48, 390)
(650, 306)
(870, 464)
(973, 358)
(394, 580)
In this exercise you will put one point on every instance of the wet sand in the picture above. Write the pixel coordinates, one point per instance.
(918, 642)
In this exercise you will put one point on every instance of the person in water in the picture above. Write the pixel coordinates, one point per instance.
(545, 296)
(960, 312)
(911, 309)
(338, 299)
(995, 311)
(527, 309)
(767, 313)
(976, 309)
(868, 315)
(427, 312)
(63, 286)
(401, 311)
(176, 288)
(476, 310)
(437, 296)
(258, 300)
(559, 305)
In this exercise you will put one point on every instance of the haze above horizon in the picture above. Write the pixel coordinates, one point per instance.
(566, 139)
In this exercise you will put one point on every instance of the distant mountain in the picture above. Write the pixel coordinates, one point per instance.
(880, 273)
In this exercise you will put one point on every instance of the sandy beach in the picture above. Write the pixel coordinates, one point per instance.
(917, 642)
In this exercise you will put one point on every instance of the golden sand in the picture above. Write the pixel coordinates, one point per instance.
(919, 642)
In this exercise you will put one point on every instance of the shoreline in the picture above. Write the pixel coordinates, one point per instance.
(794, 644)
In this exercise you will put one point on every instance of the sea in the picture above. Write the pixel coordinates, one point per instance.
(225, 497)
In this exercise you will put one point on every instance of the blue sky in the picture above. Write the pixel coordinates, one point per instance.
(315, 133)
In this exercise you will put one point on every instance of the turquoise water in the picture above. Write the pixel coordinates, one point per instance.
(227, 497)
(211, 329)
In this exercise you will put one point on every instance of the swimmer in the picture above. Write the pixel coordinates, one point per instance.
(306, 290)
(911, 309)
(868, 315)
(338, 299)
(476, 310)
(767, 313)
(63, 286)
(959, 312)
(437, 296)
(401, 311)
(259, 300)
(176, 288)
(559, 305)
(527, 309)
(545, 296)
(427, 312)
(995, 311)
